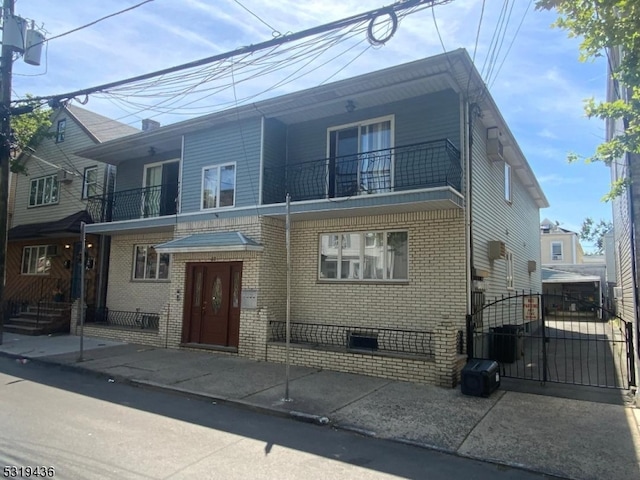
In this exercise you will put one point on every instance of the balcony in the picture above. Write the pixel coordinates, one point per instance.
(133, 204)
(410, 167)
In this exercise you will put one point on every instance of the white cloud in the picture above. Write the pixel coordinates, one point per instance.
(555, 179)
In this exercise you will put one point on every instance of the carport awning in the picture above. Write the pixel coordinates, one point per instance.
(558, 276)
(210, 242)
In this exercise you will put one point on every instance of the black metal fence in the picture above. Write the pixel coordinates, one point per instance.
(122, 319)
(553, 337)
(421, 165)
(135, 203)
(356, 339)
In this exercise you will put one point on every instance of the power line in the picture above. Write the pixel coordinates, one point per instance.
(274, 31)
(94, 22)
(369, 16)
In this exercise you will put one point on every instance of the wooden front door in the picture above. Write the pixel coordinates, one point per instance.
(212, 303)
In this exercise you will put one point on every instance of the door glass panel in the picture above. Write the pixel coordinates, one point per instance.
(197, 290)
(374, 256)
(152, 191)
(216, 295)
(346, 162)
(236, 290)
(375, 157)
(350, 267)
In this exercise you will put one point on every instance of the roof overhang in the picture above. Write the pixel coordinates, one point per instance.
(210, 242)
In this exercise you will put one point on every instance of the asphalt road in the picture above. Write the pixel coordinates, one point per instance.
(89, 428)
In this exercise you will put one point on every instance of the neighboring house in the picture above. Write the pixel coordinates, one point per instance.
(626, 212)
(48, 206)
(559, 246)
(406, 198)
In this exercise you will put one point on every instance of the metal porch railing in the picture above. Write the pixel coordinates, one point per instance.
(421, 165)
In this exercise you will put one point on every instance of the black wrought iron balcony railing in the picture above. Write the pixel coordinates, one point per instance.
(146, 202)
(421, 165)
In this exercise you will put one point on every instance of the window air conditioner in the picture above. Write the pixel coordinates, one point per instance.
(64, 177)
(497, 250)
(556, 257)
(617, 293)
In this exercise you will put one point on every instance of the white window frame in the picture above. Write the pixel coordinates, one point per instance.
(361, 260)
(509, 270)
(61, 128)
(219, 167)
(86, 184)
(54, 180)
(36, 248)
(145, 279)
(553, 255)
(508, 183)
(363, 123)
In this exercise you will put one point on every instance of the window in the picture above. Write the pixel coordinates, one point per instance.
(507, 182)
(44, 191)
(218, 186)
(509, 262)
(381, 256)
(149, 264)
(556, 250)
(62, 125)
(90, 187)
(361, 158)
(36, 260)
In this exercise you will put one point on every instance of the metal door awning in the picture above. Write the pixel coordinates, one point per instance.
(210, 242)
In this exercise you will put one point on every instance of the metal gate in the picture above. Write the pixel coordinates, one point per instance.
(552, 338)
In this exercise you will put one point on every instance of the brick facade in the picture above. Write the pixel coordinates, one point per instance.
(432, 299)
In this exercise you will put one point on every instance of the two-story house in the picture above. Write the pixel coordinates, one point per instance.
(558, 245)
(408, 193)
(48, 205)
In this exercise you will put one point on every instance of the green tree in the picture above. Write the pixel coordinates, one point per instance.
(602, 25)
(28, 129)
(593, 233)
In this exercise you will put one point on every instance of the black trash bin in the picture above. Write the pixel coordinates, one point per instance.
(506, 343)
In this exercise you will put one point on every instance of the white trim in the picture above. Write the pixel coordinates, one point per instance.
(157, 278)
(36, 179)
(219, 166)
(561, 255)
(180, 172)
(84, 195)
(508, 182)
(155, 164)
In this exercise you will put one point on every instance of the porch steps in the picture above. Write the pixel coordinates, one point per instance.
(40, 321)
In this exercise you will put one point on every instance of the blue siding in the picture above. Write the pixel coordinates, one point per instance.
(129, 175)
(419, 119)
(237, 142)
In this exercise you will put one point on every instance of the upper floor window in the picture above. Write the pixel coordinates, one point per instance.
(149, 264)
(378, 255)
(219, 186)
(44, 191)
(90, 187)
(36, 260)
(62, 125)
(507, 182)
(556, 250)
(361, 157)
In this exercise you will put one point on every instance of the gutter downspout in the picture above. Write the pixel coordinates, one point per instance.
(465, 109)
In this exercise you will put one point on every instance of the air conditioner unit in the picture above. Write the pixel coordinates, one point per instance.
(497, 250)
(65, 177)
(617, 293)
(52, 250)
(556, 257)
(495, 150)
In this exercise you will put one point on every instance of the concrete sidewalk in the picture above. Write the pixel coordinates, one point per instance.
(565, 437)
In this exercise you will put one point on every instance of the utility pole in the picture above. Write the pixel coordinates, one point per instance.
(5, 153)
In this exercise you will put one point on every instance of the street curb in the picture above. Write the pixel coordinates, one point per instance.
(319, 420)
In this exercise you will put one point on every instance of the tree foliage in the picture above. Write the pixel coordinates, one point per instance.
(594, 233)
(603, 25)
(28, 130)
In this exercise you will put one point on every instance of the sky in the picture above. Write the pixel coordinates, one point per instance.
(532, 70)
